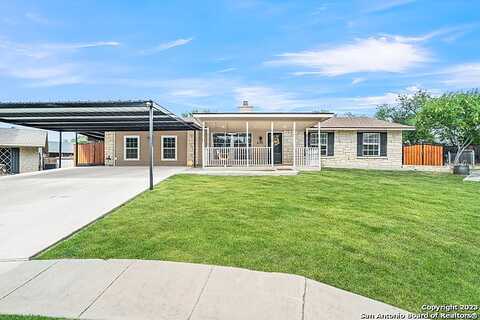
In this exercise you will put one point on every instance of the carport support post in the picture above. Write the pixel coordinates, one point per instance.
(76, 149)
(150, 142)
(60, 150)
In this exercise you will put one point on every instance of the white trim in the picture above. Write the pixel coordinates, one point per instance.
(263, 115)
(125, 148)
(176, 147)
(376, 129)
(249, 141)
(379, 143)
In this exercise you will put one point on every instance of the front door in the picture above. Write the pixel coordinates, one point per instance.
(277, 147)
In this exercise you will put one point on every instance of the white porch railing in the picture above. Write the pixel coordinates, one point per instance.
(306, 156)
(256, 157)
(237, 156)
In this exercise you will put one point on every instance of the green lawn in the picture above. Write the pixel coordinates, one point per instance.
(400, 237)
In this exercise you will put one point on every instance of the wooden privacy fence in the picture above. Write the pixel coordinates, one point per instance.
(91, 154)
(423, 155)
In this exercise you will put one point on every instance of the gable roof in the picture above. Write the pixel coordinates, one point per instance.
(13, 137)
(362, 123)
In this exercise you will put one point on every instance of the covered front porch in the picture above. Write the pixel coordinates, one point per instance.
(262, 140)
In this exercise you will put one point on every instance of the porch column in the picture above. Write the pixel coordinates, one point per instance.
(294, 144)
(60, 150)
(150, 142)
(248, 145)
(203, 144)
(319, 147)
(271, 142)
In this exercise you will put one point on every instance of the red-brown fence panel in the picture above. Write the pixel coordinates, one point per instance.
(423, 155)
(91, 154)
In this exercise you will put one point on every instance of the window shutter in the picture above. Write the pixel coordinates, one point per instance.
(15, 160)
(383, 144)
(359, 144)
(331, 144)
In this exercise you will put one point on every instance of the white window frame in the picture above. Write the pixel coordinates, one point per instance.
(371, 144)
(176, 148)
(323, 146)
(231, 134)
(125, 148)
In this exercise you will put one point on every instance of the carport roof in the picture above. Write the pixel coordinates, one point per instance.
(92, 118)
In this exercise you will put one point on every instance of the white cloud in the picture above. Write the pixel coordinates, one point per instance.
(462, 76)
(384, 5)
(44, 64)
(358, 80)
(166, 45)
(37, 18)
(271, 99)
(226, 70)
(448, 34)
(382, 54)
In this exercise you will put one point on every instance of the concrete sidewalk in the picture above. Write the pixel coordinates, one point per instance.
(474, 176)
(139, 289)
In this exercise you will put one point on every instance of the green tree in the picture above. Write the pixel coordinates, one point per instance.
(194, 110)
(453, 118)
(405, 112)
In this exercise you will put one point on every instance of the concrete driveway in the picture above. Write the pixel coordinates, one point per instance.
(38, 210)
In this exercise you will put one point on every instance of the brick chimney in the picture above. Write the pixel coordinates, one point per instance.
(245, 107)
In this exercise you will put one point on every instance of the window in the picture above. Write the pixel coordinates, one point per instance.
(131, 148)
(313, 141)
(237, 139)
(169, 148)
(371, 143)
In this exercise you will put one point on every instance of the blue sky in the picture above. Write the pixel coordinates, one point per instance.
(342, 56)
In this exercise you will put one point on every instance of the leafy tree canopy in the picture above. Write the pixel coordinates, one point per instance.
(194, 110)
(453, 118)
(405, 112)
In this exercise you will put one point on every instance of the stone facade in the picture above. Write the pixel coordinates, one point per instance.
(287, 148)
(29, 159)
(190, 148)
(109, 148)
(345, 149)
(345, 153)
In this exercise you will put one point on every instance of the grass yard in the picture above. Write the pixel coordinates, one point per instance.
(400, 237)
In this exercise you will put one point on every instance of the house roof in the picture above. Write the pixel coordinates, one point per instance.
(363, 123)
(262, 115)
(13, 137)
(67, 147)
(92, 118)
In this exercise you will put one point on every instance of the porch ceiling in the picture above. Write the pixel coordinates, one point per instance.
(260, 125)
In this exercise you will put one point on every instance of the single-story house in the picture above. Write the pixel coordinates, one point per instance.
(265, 139)
(21, 150)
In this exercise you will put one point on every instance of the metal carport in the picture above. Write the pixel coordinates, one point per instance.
(94, 118)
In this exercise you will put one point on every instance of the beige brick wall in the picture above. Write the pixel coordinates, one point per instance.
(109, 148)
(345, 155)
(29, 159)
(190, 148)
(288, 145)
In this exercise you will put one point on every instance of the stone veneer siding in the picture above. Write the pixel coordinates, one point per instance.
(109, 143)
(287, 154)
(345, 152)
(29, 159)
